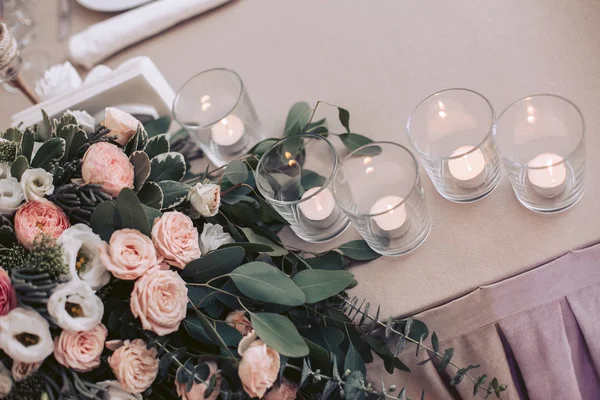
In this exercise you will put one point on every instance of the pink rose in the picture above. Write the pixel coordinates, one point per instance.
(129, 255)
(198, 389)
(34, 218)
(121, 124)
(176, 238)
(237, 319)
(80, 350)
(134, 365)
(259, 367)
(105, 164)
(286, 391)
(159, 300)
(8, 296)
(22, 370)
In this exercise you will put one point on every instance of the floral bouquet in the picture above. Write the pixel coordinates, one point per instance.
(125, 276)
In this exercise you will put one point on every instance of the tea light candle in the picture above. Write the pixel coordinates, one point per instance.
(550, 181)
(319, 210)
(228, 134)
(394, 223)
(469, 170)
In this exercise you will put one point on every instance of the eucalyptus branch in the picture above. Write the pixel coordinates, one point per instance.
(489, 390)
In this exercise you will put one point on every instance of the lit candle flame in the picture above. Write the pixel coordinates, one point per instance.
(531, 119)
(318, 204)
(367, 160)
(287, 155)
(369, 170)
(442, 114)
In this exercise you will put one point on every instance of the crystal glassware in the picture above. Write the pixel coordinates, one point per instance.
(541, 141)
(451, 131)
(295, 176)
(215, 109)
(379, 188)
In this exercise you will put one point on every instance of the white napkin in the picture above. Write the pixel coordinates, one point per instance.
(107, 37)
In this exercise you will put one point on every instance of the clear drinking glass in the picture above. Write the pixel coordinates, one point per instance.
(215, 109)
(541, 141)
(451, 131)
(18, 19)
(379, 188)
(295, 177)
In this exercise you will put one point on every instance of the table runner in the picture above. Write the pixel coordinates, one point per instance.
(536, 332)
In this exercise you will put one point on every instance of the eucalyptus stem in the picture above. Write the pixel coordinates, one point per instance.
(408, 338)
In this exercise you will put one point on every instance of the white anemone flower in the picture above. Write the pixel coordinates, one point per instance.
(25, 336)
(75, 307)
(81, 250)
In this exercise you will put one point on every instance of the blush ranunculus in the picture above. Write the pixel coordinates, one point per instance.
(80, 350)
(259, 367)
(159, 299)
(34, 218)
(134, 365)
(106, 165)
(198, 389)
(176, 238)
(129, 255)
(237, 319)
(8, 296)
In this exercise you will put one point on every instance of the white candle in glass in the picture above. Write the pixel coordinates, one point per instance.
(319, 209)
(228, 134)
(395, 222)
(547, 174)
(469, 170)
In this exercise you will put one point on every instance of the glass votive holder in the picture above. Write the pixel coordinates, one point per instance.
(451, 131)
(295, 176)
(379, 188)
(215, 109)
(541, 141)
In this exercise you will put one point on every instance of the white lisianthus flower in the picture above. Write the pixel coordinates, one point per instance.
(36, 183)
(4, 170)
(205, 199)
(75, 307)
(11, 195)
(25, 336)
(114, 391)
(213, 237)
(6, 382)
(81, 250)
(84, 119)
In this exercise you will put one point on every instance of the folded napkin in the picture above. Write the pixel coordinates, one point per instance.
(106, 38)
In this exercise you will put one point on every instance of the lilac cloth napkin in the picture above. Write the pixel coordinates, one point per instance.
(537, 332)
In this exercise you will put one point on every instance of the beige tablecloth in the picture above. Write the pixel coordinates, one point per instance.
(378, 59)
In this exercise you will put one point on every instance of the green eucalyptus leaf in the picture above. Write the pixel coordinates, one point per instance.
(263, 282)
(249, 247)
(279, 333)
(353, 141)
(435, 343)
(213, 264)
(230, 335)
(200, 328)
(353, 389)
(151, 214)
(330, 387)
(318, 284)
(130, 213)
(151, 195)
(330, 261)
(49, 153)
(448, 354)
(174, 193)
(261, 147)
(167, 166)
(158, 144)
(344, 117)
(141, 167)
(297, 118)
(358, 250)
(353, 361)
(236, 172)
(27, 144)
(158, 126)
(19, 166)
(102, 220)
(310, 179)
(253, 237)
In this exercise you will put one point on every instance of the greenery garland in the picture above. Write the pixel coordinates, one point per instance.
(324, 338)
